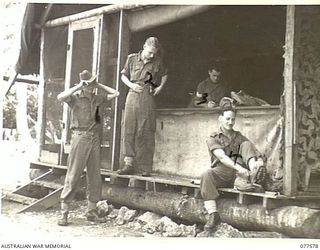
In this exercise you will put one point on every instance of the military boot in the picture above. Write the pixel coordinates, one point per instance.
(127, 169)
(212, 222)
(63, 221)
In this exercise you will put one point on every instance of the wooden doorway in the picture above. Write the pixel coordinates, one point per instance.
(84, 42)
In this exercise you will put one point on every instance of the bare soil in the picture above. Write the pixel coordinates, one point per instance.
(45, 223)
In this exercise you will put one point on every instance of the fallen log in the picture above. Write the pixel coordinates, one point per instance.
(289, 220)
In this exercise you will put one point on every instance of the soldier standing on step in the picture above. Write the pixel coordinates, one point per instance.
(85, 143)
(145, 75)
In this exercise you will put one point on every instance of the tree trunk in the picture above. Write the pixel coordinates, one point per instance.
(289, 220)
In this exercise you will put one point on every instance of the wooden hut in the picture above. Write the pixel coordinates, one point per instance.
(271, 52)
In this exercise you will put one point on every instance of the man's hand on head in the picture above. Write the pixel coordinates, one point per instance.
(84, 84)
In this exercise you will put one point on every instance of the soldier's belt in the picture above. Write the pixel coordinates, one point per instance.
(81, 132)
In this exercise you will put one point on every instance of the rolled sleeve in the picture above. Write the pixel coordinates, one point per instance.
(214, 143)
(126, 69)
(239, 139)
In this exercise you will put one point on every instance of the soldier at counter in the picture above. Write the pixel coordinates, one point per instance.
(211, 90)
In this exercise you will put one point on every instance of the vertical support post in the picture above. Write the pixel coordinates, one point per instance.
(123, 50)
(115, 118)
(65, 115)
(290, 166)
(41, 99)
(97, 47)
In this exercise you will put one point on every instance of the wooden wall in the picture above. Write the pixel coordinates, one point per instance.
(307, 75)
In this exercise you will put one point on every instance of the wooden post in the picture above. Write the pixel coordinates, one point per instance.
(123, 50)
(41, 100)
(115, 119)
(290, 168)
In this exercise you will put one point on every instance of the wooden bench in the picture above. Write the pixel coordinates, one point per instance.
(188, 186)
(154, 182)
(267, 199)
(158, 183)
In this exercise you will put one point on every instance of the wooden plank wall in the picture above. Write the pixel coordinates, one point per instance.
(307, 54)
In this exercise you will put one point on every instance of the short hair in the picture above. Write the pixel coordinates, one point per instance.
(226, 104)
(215, 66)
(153, 42)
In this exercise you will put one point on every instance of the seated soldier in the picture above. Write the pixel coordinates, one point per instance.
(232, 155)
(211, 90)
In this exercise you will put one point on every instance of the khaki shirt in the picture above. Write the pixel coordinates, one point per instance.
(83, 109)
(219, 140)
(215, 91)
(136, 70)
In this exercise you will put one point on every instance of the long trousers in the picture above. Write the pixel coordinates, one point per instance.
(221, 176)
(139, 129)
(85, 152)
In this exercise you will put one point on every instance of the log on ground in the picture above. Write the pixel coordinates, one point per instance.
(289, 220)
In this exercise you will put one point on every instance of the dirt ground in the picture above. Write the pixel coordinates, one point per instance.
(45, 223)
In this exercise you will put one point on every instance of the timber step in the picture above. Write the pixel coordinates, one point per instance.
(20, 198)
(155, 182)
(48, 184)
(38, 194)
(188, 186)
(48, 166)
